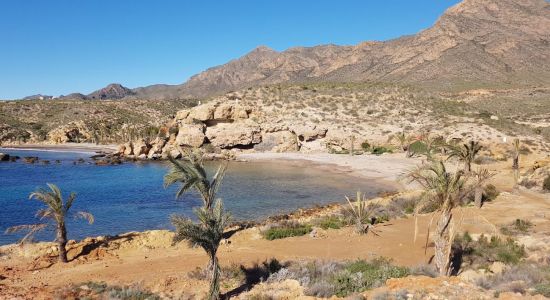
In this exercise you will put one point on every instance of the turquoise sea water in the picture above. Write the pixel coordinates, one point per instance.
(131, 197)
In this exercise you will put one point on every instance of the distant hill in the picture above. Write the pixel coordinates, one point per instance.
(477, 43)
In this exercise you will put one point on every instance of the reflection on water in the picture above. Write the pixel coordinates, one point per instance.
(131, 197)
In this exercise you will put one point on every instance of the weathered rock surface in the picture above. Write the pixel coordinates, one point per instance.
(191, 135)
(228, 135)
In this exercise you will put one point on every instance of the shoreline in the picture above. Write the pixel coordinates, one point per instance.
(71, 148)
(385, 169)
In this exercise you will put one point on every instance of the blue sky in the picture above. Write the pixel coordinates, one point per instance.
(63, 46)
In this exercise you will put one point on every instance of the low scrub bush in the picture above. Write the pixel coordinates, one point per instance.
(490, 193)
(100, 290)
(380, 150)
(485, 251)
(327, 279)
(517, 227)
(546, 184)
(286, 230)
(524, 278)
(365, 146)
(332, 222)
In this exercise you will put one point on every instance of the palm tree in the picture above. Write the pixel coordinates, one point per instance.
(207, 234)
(445, 191)
(403, 139)
(481, 177)
(516, 149)
(55, 214)
(466, 153)
(192, 174)
(360, 213)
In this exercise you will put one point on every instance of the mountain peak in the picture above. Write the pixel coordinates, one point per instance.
(112, 91)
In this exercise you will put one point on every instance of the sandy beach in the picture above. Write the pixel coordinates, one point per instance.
(387, 168)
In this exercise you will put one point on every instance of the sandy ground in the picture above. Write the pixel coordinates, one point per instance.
(80, 147)
(150, 260)
(387, 167)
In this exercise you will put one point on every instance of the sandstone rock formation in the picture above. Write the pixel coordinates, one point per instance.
(72, 132)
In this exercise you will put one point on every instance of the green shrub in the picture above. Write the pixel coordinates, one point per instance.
(380, 150)
(519, 226)
(543, 289)
(365, 146)
(485, 251)
(332, 222)
(288, 230)
(490, 193)
(418, 148)
(546, 184)
(361, 275)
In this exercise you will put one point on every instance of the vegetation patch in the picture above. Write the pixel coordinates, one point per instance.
(517, 227)
(524, 278)
(286, 230)
(331, 222)
(485, 250)
(100, 290)
(327, 279)
(378, 150)
(546, 184)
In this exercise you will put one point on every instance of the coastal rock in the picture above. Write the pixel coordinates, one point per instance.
(228, 135)
(128, 149)
(4, 157)
(282, 141)
(182, 115)
(202, 112)
(74, 132)
(156, 148)
(141, 147)
(309, 132)
(191, 135)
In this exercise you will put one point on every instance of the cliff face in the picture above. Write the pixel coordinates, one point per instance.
(475, 42)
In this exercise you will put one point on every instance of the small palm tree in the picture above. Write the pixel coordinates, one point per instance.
(516, 150)
(192, 174)
(213, 219)
(360, 213)
(403, 140)
(445, 191)
(467, 153)
(481, 177)
(207, 234)
(55, 214)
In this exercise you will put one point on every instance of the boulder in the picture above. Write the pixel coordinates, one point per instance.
(229, 135)
(309, 132)
(224, 112)
(156, 148)
(190, 135)
(203, 112)
(4, 157)
(128, 149)
(282, 141)
(141, 147)
(182, 114)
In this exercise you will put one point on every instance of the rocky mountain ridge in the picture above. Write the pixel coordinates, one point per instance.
(477, 43)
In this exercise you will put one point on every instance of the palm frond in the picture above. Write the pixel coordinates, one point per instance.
(32, 230)
(85, 215)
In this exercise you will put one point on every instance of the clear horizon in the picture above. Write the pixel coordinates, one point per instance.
(65, 47)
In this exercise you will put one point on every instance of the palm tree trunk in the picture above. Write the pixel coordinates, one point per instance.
(214, 267)
(62, 242)
(467, 166)
(515, 164)
(442, 243)
(478, 196)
